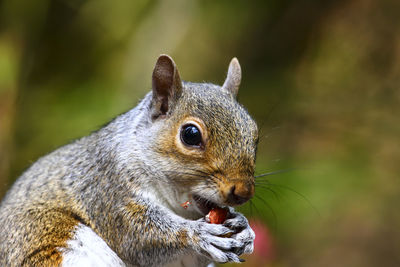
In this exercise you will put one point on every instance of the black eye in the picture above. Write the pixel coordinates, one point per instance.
(191, 135)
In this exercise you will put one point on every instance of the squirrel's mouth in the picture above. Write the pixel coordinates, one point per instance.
(203, 204)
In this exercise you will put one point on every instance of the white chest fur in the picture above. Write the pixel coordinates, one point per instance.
(87, 249)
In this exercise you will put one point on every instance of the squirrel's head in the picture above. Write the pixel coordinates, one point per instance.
(207, 141)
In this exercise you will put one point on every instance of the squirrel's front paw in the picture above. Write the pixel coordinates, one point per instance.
(208, 240)
(242, 231)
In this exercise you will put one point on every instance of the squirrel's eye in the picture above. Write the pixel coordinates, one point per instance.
(191, 135)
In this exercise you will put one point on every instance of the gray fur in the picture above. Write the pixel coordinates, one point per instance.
(96, 178)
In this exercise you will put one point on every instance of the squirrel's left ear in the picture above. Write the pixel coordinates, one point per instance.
(167, 85)
(233, 78)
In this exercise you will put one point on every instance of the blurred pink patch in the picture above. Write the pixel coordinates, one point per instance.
(263, 244)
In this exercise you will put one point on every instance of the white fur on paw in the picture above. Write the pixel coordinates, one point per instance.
(225, 249)
(211, 243)
(246, 236)
(237, 220)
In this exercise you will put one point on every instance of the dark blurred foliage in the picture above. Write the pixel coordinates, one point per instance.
(320, 77)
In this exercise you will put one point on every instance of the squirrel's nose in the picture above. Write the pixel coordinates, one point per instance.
(239, 193)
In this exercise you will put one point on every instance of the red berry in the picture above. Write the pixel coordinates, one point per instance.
(218, 215)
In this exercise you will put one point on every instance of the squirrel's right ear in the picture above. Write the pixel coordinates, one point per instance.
(167, 85)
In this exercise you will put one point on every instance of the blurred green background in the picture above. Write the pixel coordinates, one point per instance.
(320, 77)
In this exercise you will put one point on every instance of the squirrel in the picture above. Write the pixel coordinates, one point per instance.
(113, 198)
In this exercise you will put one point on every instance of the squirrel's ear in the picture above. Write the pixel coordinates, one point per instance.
(233, 78)
(167, 85)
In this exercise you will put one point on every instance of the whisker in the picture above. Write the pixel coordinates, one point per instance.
(299, 194)
(275, 220)
(274, 172)
(265, 187)
(251, 207)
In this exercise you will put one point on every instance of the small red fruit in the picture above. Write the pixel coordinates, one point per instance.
(217, 215)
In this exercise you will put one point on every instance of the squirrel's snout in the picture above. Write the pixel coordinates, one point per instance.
(239, 193)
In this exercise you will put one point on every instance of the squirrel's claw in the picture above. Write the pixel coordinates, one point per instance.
(238, 223)
(244, 233)
(208, 239)
(247, 237)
